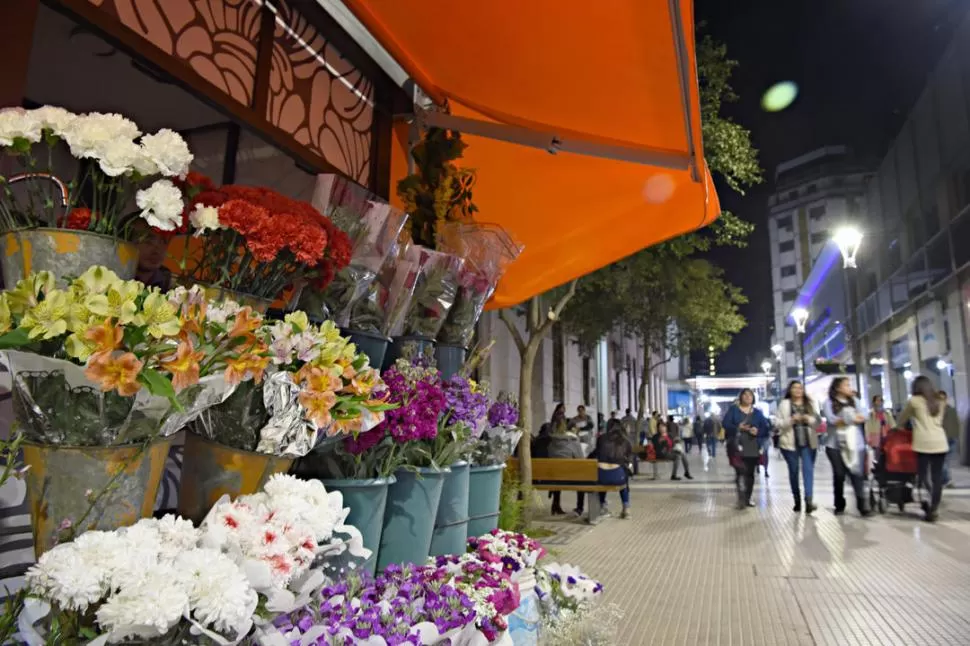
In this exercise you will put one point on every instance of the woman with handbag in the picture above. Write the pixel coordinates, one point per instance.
(925, 413)
(746, 429)
(798, 441)
(845, 444)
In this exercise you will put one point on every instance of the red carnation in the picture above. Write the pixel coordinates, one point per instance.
(242, 216)
(79, 219)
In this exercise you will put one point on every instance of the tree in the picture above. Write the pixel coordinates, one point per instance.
(537, 325)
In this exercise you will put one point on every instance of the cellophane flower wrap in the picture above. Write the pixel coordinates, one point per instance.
(125, 165)
(499, 440)
(466, 406)
(489, 587)
(166, 582)
(105, 361)
(511, 551)
(256, 241)
(434, 293)
(387, 303)
(403, 438)
(372, 227)
(565, 587)
(318, 389)
(487, 249)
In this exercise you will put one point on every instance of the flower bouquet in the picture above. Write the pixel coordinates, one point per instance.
(103, 371)
(571, 609)
(166, 582)
(514, 553)
(487, 250)
(114, 165)
(255, 241)
(434, 293)
(372, 227)
(499, 440)
(383, 307)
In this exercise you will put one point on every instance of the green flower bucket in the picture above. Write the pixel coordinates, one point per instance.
(367, 500)
(368, 343)
(408, 347)
(451, 523)
(412, 505)
(450, 358)
(484, 494)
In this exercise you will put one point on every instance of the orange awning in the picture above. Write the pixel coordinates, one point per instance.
(610, 88)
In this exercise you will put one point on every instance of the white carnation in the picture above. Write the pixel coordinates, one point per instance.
(219, 592)
(53, 118)
(108, 555)
(205, 218)
(169, 152)
(18, 124)
(161, 205)
(148, 607)
(117, 157)
(62, 576)
(88, 134)
(176, 533)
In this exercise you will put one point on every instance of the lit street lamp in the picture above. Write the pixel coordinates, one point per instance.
(800, 316)
(849, 239)
(778, 350)
(766, 366)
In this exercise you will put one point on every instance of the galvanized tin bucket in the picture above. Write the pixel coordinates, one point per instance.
(221, 294)
(90, 487)
(63, 252)
(211, 470)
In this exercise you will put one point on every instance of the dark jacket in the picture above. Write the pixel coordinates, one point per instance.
(750, 445)
(951, 423)
(565, 445)
(614, 447)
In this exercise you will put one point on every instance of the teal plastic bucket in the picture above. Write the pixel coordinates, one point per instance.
(367, 500)
(451, 523)
(409, 347)
(484, 493)
(412, 505)
(369, 343)
(450, 359)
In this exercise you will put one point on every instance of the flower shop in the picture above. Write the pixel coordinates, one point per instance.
(246, 246)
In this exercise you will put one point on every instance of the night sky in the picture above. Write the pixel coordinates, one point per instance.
(860, 66)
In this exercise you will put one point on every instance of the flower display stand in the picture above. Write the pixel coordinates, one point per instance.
(524, 622)
(484, 494)
(90, 487)
(412, 505)
(367, 500)
(450, 358)
(451, 523)
(211, 470)
(63, 252)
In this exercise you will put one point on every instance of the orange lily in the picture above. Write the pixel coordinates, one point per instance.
(365, 381)
(346, 426)
(318, 380)
(245, 324)
(105, 337)
(318, 406)
(184, 365)
(193, 319)
(115, 373)
(238, 368)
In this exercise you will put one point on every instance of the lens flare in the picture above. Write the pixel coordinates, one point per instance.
(779, 96)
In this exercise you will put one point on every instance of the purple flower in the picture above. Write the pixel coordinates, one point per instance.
(503, 413)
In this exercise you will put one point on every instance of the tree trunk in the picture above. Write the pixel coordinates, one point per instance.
(527, 362)
(645, 379)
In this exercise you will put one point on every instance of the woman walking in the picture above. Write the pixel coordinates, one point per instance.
(880, 422)
(844, 444)
(925, 413)
(797, 419)
(745, 431)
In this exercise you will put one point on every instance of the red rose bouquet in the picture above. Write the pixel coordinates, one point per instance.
(256, 241)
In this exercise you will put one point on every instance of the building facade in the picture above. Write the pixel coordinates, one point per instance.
(813, 194)
(913, 285)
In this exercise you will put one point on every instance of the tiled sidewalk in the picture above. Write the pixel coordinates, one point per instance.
(689, 569)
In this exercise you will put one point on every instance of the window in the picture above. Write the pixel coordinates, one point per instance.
(816, 212)
(788, 245)
(788, 270)
(820, 237)
(812, 188)
(558, 364)
(784, 222)
(789, 295)
(793, 373)
(789, 346)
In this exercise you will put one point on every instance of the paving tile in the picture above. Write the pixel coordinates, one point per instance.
(690, 570)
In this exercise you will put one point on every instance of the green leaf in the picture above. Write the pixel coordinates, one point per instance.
(15, 339)
(160, 386)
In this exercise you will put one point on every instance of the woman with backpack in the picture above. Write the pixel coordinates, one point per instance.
(845, 444)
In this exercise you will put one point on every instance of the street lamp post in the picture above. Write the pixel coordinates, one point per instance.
(800, 316)
(778, 350)
(766, 367)
(849, 239)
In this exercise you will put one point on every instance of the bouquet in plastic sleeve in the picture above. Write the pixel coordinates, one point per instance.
(106, 361)
(383, 309)
(487, 250)
(434, 293)
(499, 440)
(317, 389)
(372, 227)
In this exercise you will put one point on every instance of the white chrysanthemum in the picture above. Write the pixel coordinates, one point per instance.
(53, 118)
(64, 577)
(109, 554)
(117, 157)
(88, 134)
(149, 607)
(205, 218)
(219, 592)
(168, 536)
(161, 205)
(169, 152)
(18, 124)
(227, 525)
(306, 502)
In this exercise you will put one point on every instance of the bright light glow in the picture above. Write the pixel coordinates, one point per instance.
(907, 374)
(877, 361)
(941, 364)
(779, 96)
(778, 349)
(800, 316)
(766, 366)
(848, 238)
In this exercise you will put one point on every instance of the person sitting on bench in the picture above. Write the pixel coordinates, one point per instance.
(614, 456)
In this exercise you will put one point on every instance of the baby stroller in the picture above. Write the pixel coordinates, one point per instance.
(894, 472)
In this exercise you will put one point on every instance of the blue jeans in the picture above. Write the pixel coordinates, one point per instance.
(712, 446)
(615, 476)
(946, 463)
(805, 455)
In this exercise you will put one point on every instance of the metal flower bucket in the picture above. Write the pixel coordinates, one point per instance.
(64, 252)
(217, 294)
(211, 470)
(90, 487)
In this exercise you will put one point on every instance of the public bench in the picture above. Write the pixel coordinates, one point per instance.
(563, 474)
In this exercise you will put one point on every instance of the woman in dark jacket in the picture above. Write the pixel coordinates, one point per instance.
(745, 431)
(614, 456)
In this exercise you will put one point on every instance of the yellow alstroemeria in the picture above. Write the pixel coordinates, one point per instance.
(96, 280)
(6, 320)
(329, 332)
(117, 302)
(25, 294)
(115, 373)
(159, 316)
(318, 406)
(78, 347)
(48, 319)
(299, 320)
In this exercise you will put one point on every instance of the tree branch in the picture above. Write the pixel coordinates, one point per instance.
(513, 331)
(660, 363)
(557, 310)
(533, 313)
